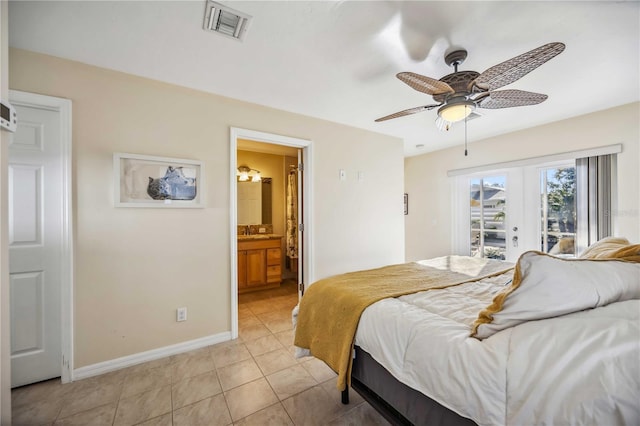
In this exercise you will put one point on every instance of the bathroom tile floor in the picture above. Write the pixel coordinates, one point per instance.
(253, 380)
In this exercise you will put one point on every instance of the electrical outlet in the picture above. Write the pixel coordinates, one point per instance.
(181, 314)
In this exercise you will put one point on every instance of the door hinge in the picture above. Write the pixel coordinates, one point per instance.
(301, 286)
(301, 227)
(301, 167)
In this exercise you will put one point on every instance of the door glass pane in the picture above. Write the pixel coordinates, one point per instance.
(476, 214)
(488, 215)
(558, 210)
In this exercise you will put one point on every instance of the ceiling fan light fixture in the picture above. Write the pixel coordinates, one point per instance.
(456, 111)
(442, 124)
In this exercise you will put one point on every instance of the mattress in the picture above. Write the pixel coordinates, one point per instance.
(581, 368)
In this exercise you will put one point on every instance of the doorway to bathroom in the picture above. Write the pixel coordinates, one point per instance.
(270, 216)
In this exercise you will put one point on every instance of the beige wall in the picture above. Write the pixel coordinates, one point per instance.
(428, 225)
(134, 267)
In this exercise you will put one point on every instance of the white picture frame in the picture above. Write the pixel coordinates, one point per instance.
(173, 182)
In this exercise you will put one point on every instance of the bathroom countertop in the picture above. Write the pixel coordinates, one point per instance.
(259, 237)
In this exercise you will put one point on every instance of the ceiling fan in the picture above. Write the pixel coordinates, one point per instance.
(460, 93)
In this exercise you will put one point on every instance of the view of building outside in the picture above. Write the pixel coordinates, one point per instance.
(558, 208)
(488, 213)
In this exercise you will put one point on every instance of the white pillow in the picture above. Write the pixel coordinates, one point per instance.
(545, 287)
(601, 248)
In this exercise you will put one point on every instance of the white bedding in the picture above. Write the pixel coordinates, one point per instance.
(581, 368)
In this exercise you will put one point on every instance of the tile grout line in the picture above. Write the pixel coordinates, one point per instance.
(171, 391)
(115, 413)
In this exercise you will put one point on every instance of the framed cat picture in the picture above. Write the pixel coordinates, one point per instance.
(149, 181)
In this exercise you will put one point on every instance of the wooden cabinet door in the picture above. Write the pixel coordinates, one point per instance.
(256, 267)
(242, 269)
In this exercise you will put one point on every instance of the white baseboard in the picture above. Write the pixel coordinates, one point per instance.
(130, 360)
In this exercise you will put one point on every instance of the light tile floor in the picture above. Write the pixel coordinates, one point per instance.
(253, 380)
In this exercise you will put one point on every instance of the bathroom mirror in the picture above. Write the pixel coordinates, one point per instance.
(254, 202)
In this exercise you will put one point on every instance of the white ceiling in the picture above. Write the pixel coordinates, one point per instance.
(337, 60)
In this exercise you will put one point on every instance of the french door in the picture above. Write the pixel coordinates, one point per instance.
(489, 215)
(500, 214)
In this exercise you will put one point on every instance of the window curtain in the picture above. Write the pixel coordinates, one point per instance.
(594, 199)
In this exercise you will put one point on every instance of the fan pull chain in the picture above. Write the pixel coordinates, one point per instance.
(465, 136)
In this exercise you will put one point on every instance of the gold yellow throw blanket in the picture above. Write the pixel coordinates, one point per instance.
(330, 309)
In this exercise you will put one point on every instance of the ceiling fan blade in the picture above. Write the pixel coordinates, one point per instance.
(510, 98)
(407, 112)
(423, 84)
(515, 68)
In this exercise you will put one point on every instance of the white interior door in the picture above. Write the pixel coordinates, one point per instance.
(300, 226)
(35, 245)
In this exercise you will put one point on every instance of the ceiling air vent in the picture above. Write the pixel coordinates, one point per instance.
(226, 21)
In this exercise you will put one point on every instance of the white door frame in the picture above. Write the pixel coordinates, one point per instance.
(305, 145)
(63, 107)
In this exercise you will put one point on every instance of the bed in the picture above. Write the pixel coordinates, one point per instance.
(544, 341)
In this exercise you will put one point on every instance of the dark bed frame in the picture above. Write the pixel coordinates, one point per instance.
(398, 403)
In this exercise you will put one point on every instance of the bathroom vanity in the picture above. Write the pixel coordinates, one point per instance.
(259, 262)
